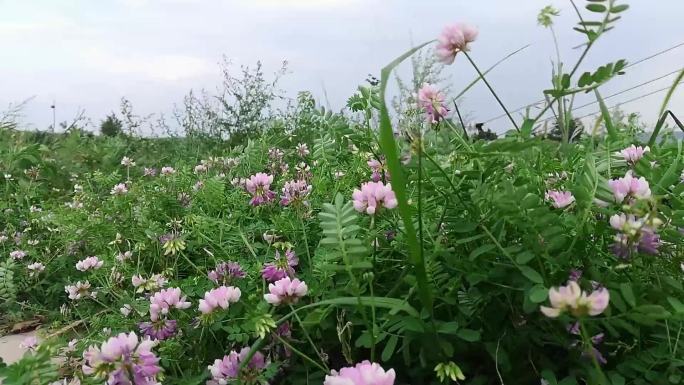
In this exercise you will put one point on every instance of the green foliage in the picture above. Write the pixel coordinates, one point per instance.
(446, 286)
(8, 290)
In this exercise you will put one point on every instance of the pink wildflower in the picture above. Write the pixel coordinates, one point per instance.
(378, 169)
(155, 282)
(119, 189)
(364, 373)
(573, 299)
(632, 154)
(295, 191)
(35, 268)
(17, 254)
(454, 39)
(29, 343)
(286, 291)
(259, 186)
(627, 223)
(166, 171)
(226, 272)
(89, 263)
(629, 186)
(281, 267)
(150, 171)
(79, 290)
(372, 195)
(302, 149)
(162, 301)
(560, 199)
(220, 297)
(123, 360)
(227, 369)
(158, 330)
(128, 162)
(125, 256)
(431, 99)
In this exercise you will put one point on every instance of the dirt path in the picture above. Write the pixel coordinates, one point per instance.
(9, 346)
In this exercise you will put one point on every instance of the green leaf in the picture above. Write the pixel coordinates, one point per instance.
(389, 148)
(619, 8)
(390, 346)
(671, 176)
(616, 379)
(526, 129)
(481, 250)
(531, 274)
(605, 114)
(585, 80)
(598, 8)
(538, 294)
(628, 294)
(524, 257)
(448, 328)
(395, 305)
(676, 304)
(549, 376)
(469, 335)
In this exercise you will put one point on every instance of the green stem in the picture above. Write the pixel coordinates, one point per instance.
(289, 346)
(587, 344)
(308, 337)
(306, 242)
(492, 91)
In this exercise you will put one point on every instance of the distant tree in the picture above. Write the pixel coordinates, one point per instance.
(576, 128)
(111, 126)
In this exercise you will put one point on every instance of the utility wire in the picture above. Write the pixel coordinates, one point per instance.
(618, 104)
(629, 65)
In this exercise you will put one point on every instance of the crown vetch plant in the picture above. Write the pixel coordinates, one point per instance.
(300, 245)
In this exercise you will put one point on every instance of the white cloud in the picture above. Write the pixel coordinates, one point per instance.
(157, 67)
(309, 4)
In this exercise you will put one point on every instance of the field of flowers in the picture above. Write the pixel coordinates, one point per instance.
(353, 248)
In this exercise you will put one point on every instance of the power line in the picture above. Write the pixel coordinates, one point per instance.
(621, 103)
(629, 65)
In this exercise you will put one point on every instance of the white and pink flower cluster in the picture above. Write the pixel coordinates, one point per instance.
(559, 199)
(156, 281)
(90, 263)
(286, 291)
(123, 359)
(571, 298)
(454, 39)
(630, 187)
(432, 101)
(295, 192)
(372, 196)
(166, 299)
(35, 268)
(633, 154)
(18, 254)
(221, 297)
(226, 370)
(80, 290)
(634, 234)
(378, 169)
(364, 373)
(259, 185)
(119, 189)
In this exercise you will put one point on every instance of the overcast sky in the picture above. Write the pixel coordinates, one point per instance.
(88, 54)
